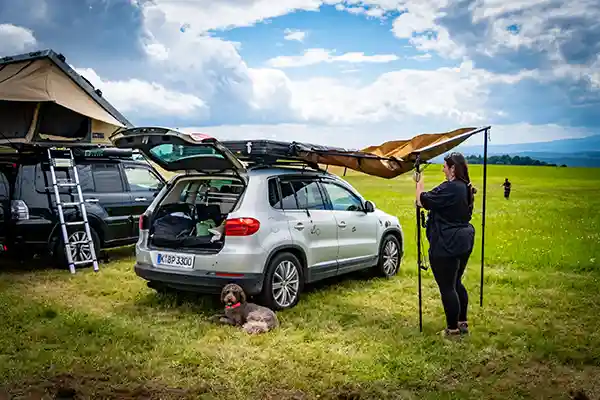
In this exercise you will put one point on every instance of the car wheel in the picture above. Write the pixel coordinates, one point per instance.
(389, 257)
(79, 252)
(283, 282)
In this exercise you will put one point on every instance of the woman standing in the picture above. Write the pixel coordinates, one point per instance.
(451, 237)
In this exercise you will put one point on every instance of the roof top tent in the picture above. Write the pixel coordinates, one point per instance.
(44, 102)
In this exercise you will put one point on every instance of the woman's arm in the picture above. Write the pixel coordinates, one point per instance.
(420, 187)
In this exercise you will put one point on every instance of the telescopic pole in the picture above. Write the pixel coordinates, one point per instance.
(419, 261)
(485, 149)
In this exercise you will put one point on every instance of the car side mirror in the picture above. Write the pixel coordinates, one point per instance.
(369, 206)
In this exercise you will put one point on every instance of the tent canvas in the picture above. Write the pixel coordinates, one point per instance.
(43, 100)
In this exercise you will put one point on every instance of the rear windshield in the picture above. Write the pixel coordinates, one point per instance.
(168, 152)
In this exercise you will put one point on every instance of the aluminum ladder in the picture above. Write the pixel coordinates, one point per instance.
(62, 158)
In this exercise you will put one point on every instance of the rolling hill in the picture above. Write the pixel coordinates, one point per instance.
(580, 152)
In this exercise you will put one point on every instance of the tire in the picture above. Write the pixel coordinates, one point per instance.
(390, 251)
(295, 282)
(80, 253)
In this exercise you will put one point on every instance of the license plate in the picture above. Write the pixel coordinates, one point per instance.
(175, 260)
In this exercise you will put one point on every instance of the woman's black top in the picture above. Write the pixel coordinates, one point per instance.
(449, 230)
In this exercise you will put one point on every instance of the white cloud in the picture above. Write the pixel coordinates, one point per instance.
(317, 56)
(145, 98)
(205, 15)
(421, 57)
(15, 39)
(452, 94)
(294, 35)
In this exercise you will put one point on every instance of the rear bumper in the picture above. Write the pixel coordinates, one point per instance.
(201, 281)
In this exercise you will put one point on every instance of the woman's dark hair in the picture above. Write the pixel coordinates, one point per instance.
(461, 172)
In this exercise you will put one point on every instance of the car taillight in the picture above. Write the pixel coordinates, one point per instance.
(143, 222)
(19, 210)
(241, 226)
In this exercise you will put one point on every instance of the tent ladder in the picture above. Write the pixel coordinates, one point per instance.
(62, 158)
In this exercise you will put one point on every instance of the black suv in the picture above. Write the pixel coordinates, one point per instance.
(116, 192)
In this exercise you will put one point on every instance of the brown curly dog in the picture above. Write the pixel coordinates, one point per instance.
(253, 318)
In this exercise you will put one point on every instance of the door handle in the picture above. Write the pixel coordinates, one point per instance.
(299, 226)
(342, 224)
(140, 199)
(91, 200)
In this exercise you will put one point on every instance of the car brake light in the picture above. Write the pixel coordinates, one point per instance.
(19, 210)
(241, 226)
(143, 222)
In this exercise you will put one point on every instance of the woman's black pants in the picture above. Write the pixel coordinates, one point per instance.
(448, 272)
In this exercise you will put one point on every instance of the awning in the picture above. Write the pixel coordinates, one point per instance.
(389, 159)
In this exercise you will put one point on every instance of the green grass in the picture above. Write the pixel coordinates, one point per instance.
(107, 335)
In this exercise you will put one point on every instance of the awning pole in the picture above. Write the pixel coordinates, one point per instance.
(419, 258)
(485, 148)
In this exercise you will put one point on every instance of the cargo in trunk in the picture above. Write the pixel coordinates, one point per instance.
(192, 215)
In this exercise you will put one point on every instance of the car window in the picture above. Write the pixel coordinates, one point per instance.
(107, 178)
(308, 195)
(43, 178)
(274, 198)
(341, 198)
(141, 179)
(297, 194)
(288, 198)
(4, 188)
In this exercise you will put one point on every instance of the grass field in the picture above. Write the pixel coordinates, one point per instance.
(107, 335)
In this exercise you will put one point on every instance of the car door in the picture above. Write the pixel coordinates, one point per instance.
(311, 224)
(110, 196)
(356, 229)
(142, 185)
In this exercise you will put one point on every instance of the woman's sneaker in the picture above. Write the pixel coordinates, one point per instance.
(463, 327)
(450, 333)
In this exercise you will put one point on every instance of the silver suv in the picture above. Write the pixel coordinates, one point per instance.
(270, 229)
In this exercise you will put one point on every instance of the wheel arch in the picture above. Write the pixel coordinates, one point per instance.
(289, 248)
(397, 233)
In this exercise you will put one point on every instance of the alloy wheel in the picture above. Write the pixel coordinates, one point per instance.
(285, 284)
(81, 251)
(390, 258)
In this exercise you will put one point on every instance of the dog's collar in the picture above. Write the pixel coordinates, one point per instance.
(236, 305)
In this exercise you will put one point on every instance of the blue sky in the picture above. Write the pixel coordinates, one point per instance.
(347, 73)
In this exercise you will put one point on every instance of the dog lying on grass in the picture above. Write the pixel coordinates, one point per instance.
(253, 318)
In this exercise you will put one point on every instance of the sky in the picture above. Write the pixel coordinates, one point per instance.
(341, 73)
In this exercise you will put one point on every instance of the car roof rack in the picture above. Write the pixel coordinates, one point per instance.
(80, 150)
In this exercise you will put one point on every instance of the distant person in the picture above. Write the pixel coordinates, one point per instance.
(451, 237)
(507, 185)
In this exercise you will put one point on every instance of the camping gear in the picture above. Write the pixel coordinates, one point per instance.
(387, 160)
(42, 99)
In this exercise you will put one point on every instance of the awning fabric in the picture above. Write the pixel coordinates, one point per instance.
(389, 159)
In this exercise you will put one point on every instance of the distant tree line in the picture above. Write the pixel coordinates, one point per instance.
(508, 160)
